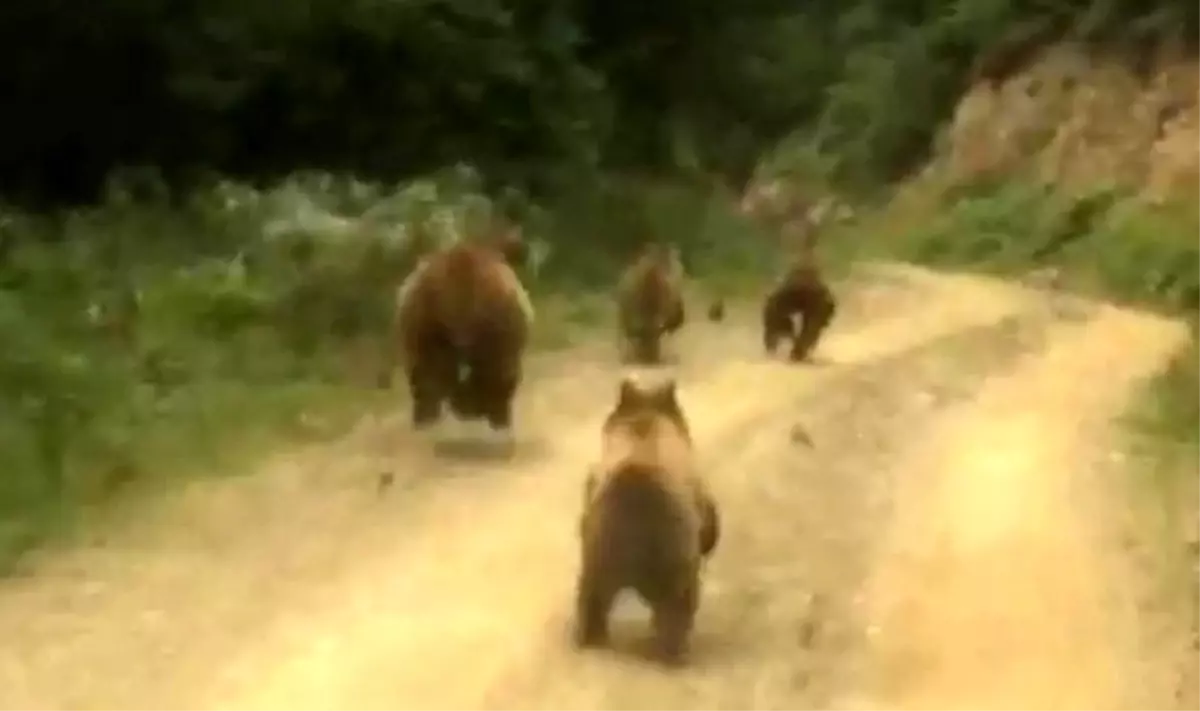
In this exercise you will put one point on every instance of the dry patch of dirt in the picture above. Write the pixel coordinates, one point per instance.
(1085, 121)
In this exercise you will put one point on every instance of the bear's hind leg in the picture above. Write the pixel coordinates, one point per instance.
(593, 602)
(776, 324)
(465, 401)
(673, 621)
(818, 312)
(431, 380)
(494, 383)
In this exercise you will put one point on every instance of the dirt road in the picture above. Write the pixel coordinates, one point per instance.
(940, 543)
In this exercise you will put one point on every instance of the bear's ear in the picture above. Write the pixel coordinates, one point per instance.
(667, 395)
(627, 393)
(512, 246)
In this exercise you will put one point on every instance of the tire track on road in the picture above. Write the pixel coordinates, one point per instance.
(995, 590)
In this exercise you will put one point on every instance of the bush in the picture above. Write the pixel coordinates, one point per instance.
(1102, 242)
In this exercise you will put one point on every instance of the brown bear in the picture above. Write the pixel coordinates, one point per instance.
(803, 294)
(650, 302)
(649, 520)
(462, 324)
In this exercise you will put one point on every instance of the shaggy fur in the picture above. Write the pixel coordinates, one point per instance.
(648, 522)
(650, 302)
(800, 293)
(462, 324)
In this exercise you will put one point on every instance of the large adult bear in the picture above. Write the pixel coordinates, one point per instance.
(461, 329)
(649, 520)
(649, 302)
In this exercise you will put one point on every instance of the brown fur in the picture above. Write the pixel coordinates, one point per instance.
(648, 523)
(800, 293)
(650, 302)
(463, 309)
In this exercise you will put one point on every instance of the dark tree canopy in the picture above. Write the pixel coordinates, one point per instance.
(521, 88)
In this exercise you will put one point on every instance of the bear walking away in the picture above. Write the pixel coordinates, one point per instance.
(648, 522)
(802, 294)
(650, 302)
(462, 325)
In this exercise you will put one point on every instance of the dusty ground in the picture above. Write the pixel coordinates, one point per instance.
(942, 543)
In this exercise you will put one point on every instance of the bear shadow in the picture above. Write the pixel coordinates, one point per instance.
(818, 361)
(631, 641)
(811, 361)
(486, 448)
(471, 450)
(665, 360)
(668, 360)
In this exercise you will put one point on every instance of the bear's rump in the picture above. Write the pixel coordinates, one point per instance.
(643, 530)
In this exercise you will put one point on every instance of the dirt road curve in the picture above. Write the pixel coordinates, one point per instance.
(942, 542)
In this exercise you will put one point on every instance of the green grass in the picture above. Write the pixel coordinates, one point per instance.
(1104, 243)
